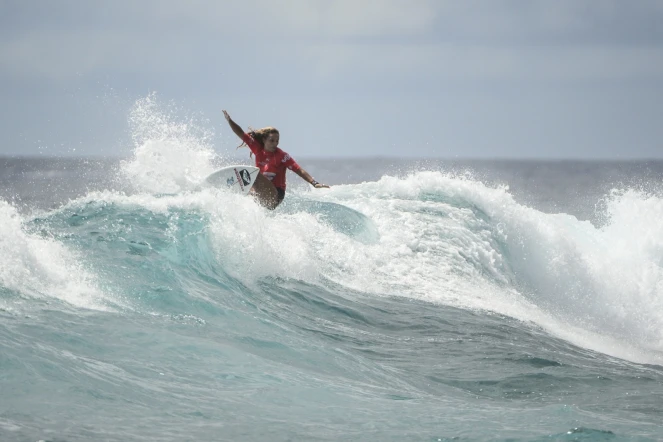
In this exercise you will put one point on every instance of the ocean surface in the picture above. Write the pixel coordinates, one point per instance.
(431, 300)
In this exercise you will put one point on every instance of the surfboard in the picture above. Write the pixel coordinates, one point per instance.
(238, 178)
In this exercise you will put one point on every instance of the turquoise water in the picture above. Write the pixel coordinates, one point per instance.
(418, 308)
(429, 304)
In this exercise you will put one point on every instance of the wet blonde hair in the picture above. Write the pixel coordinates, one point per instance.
(260, 134)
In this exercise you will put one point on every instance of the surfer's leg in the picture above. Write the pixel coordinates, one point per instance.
(281, 194)
(265, 192)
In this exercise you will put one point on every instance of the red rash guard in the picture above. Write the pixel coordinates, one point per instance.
(271, 164)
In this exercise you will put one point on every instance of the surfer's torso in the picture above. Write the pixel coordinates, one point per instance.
(271, 164)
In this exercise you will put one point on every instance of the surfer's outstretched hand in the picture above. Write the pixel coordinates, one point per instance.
(225, 114)
(321, 186)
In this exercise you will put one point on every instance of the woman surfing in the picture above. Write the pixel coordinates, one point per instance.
(269, 187)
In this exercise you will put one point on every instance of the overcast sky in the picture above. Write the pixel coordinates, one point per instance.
(416, 78)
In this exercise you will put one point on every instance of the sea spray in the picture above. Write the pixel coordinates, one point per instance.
(169, 155)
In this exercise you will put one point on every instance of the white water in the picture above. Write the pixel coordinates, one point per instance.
(42, 267)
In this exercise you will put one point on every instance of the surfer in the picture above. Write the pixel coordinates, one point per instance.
(269, 186)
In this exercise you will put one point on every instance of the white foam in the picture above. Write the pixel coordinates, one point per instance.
(41, 267)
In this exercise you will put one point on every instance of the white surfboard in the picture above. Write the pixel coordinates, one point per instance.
(238, 178)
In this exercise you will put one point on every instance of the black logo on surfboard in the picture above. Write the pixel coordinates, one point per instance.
(246, 176)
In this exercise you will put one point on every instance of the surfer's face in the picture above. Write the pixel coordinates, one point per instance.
(271, 142)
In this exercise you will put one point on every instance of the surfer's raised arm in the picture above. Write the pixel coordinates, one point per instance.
(234, 126)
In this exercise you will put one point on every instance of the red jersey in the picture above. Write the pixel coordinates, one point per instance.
(272, 164)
